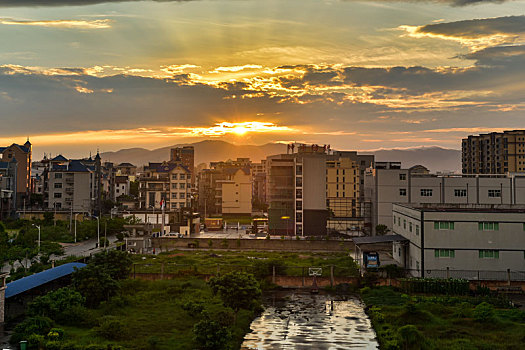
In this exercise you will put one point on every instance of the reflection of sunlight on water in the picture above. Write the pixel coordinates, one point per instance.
(305, 321)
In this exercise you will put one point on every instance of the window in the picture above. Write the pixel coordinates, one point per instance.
(182, 186)
(298, 217)
(299, 193)
(58, 175)
(402, 177)
(426, 192)
(298, 169)
(460, 193)
(174, 195)
(174, 185)
(404, 224)
(402, 191)
(494, 193)
(182, 195)
(488, 226)
(174, 177)
(299, 182)
(524, 227)
(182, 176)
(57, 195)
(489, 254)
(58, 184)
(443, 225)
(417, 230)
(299, 205)
(444, 253)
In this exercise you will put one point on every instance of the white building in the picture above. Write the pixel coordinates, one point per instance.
(459, 237)
(386, 185)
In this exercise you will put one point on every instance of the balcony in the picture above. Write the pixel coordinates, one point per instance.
(69, 190)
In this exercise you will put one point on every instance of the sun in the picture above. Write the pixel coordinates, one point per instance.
(239, 130)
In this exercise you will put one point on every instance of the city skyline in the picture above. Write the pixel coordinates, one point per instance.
(356, 75)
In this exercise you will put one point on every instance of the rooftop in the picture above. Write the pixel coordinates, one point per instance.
(472, 208)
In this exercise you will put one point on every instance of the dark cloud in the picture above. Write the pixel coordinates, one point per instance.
(477, 28)
(502, 56)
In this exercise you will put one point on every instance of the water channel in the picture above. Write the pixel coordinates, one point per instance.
(300, 320)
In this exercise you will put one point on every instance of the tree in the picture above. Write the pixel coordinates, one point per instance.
(211, 335)
(134, 188)
(95, 284)
(53, 304)
(115, 263)
(237, 290)
(382, 230)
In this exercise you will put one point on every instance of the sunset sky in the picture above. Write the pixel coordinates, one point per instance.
(86, 74)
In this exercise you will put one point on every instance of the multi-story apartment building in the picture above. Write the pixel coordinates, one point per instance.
(296, 192)
(459, 237)
(388, 183)
(235, 193)
(8, 179)
(186, 156)
(259, 183)
(22, 154)
(71, 185)
(494, 153)
(121, 186)
(167, 182)
(127, 169)
(211, 191)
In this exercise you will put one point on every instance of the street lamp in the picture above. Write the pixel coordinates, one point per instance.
(38, 227)
(76, 227)
(98, 230)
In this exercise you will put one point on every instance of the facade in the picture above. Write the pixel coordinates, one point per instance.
(296, 192)
(186, 156)
(259, 183)
(126, 169)
(459, 237)
(8, 179)
(392, 184)
(121, 186)
(22, 154)
(71, 185)
(494, 153)
(236, 192)
(166, 182)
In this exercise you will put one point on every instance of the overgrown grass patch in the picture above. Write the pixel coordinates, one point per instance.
(445, 322)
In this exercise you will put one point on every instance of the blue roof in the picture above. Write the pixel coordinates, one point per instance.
(27, 283)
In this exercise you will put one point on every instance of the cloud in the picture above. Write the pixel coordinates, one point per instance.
(70, 24)
(474, 33)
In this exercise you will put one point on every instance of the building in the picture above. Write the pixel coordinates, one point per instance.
(22, 154)
(235, 193)
(494, 153)
(71, 185)
(126, 169)
(259, 184)
(8, 179)
(210, 191)
(296, 192)
(167, 182)
(121, 186)
(456, 237)
(186, 156)
(388, 183)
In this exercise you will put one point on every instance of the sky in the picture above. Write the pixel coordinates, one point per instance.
(77, 76)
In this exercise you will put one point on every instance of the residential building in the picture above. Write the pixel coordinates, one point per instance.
(494, 153)
(186, 156)
(8, 187)
(388, 183)
(471, 237)
(127, 169)
(22, 154)
(121, 186)
(71, 185)
(167, 182)
(235, 192)
(296, 192)
(259, 184)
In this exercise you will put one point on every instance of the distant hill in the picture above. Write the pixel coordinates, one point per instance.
(205, 152)
(434, 158)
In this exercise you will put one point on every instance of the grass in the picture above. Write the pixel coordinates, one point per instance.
(152, 312)
(444, 322)
(206, 262)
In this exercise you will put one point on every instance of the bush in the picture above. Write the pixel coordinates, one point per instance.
(36, 325)
(110, 328)
(211, 335)
(410, 337)
(237, 290)
(484, 313)
(53, 304)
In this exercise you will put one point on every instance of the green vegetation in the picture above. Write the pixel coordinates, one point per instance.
(103, 310)
(405, 321)
(197, 263)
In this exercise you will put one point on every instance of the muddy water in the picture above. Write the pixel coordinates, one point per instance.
(298, 320)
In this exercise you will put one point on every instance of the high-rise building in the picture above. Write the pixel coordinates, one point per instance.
(186, 156)
(296, 192)
(494, 153)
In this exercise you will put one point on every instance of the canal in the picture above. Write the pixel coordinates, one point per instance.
(300, 320)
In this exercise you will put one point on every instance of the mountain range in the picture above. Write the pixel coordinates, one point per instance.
(434, 158)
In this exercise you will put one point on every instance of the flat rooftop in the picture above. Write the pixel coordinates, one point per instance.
(473, 208)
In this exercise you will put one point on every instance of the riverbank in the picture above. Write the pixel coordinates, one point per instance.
(420, 321)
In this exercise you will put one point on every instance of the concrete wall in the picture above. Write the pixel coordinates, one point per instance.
(167, 243)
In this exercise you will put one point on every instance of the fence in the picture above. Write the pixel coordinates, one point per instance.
(471, 275)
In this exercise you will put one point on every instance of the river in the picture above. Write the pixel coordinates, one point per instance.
(300, 320)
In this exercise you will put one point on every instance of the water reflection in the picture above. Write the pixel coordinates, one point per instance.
(298, 320)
